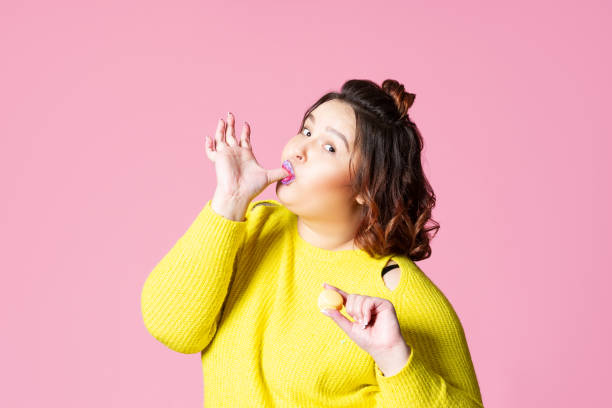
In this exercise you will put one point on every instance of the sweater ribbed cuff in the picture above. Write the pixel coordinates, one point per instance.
(414, 383)
(225, 230)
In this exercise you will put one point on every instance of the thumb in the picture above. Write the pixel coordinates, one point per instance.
(277, 174)
(344, 323)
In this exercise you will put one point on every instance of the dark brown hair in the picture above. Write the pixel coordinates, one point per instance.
(398, 199)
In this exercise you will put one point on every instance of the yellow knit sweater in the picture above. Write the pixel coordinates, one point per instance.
(244, 295)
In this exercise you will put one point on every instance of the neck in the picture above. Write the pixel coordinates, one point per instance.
(332, 236)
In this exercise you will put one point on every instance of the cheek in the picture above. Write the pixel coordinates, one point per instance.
(324, 179)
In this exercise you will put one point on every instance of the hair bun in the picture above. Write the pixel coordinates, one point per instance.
(403, 99)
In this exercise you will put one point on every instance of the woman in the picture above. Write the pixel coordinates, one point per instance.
(241, 286)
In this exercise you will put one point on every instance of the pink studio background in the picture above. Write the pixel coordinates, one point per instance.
(105, 106)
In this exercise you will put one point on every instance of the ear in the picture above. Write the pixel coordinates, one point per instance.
(359, 200)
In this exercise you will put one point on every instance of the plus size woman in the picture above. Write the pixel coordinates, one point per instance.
(353, 215)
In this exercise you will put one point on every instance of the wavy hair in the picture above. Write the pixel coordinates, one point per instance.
(397, 198)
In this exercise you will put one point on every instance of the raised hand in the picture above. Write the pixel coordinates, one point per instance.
(239, 175)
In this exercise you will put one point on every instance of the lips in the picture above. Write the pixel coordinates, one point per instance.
(287, 166)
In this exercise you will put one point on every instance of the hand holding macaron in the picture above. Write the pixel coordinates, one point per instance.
(375, 329)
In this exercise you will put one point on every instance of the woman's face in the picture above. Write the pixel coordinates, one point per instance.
(319, 155)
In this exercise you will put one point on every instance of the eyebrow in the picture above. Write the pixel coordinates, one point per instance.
(330, 129)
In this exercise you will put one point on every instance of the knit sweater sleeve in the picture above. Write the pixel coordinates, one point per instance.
(452, 385)
(182, 298)
(416, 385)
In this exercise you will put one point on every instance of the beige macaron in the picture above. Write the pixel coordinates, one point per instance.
(330, 299)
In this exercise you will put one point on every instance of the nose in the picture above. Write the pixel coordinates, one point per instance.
(296, 154)
(299, 151)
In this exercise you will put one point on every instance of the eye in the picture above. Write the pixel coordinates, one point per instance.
(333, 149)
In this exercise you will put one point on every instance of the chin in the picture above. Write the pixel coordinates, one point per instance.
(282, 195)
(279, 186)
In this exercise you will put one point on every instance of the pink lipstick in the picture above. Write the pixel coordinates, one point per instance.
(287, 166)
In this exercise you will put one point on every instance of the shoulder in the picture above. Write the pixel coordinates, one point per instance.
(257, 208)
(266, 224)
(267, 203)
(420, 297)
(266, 216)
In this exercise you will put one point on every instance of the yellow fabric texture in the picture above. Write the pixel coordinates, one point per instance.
(244, 295)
